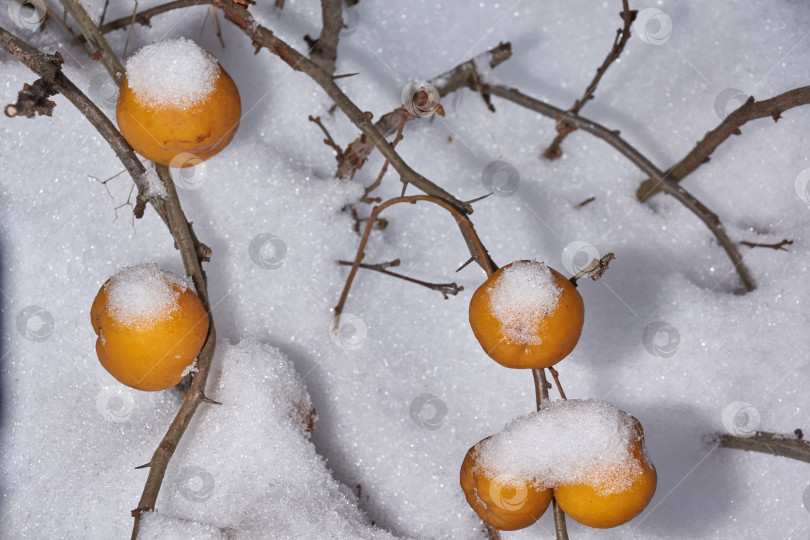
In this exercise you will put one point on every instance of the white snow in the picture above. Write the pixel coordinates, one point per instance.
(400, 407)
(566, 442)
(172, 72)
(520, 297)
(143, 294)
(248, 467)
(155, 526)
(155, 186)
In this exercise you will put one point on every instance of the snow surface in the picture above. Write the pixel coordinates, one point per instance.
(523, 294)
(143, 294)
(401, 402)
(566, 442)
(172, 72)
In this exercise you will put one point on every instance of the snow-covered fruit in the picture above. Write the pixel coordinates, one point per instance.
(507, 504)
(588, 453)
(177, 105)
(151, 326)
(527, 315)
(603, 504)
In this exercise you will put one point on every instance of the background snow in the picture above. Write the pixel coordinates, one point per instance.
(411, 391)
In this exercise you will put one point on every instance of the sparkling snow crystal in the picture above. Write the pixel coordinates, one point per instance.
(172, 72)
(522, 294)
(566, 442)
(155, 186)
(142, 294)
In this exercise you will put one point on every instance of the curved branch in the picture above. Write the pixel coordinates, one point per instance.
(701, 153)
(668, 185)
(474, 244)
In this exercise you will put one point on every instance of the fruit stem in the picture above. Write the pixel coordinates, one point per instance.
(541, 386)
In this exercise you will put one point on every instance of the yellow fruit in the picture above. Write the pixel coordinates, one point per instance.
(150, 354)
(553, 335)
(603, 506)
(507, 506)
(167, 132)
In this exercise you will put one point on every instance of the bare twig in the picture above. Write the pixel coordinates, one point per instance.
(474, 244)
(668, 185)
(104, 12)
(77, 38)
(556, 376)
(595, 269)
(584, 203)
(145, 16)
(324, 49)
(447, 289)
(554, 150)
(264, 38)
(541, 386)
(328, 141)
(446, 83)
(94, 37)
(559, 521)
(775, 444)
(701, 153)
(378, 181)
(780, 246)
(218, 26)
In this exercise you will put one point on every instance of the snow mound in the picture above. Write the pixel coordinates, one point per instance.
(567, 442)
(172, 72)
(155, 526)
(523, 293)
(143, 294)
(247, 466)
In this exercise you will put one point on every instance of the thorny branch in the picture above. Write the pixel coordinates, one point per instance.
(192, 251)
(446, 83)
(701, 153)
(668, 185)
(622, 35)
(447, 289)
(264, 38)
(185, 240)
(776, 444)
